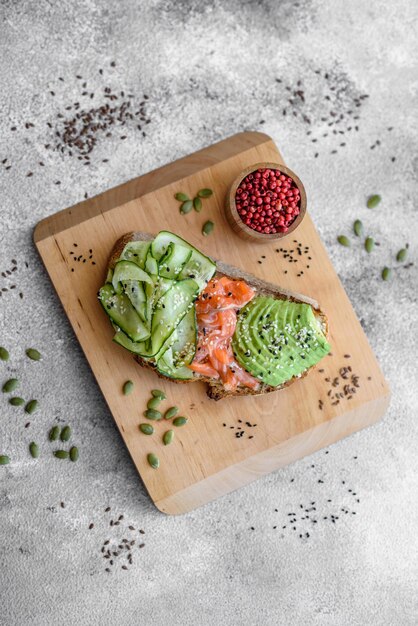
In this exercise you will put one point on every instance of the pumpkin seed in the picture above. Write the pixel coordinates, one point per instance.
(358, 228)
(128, 388)
(65, 433)
(205, 193)
(74, 454)
(153, 460)
(4, 354)
(147, 429)
(34, 450)
(157, 393)
(168, 437)
(186, 207)
(373, 201)
(16, 401)
(180, 421)
(33, 354)
(61, 454)
(386, 273)
(153, 403)
(171, 412)
(4, 459)
(31, 406)
(369, 244)
(207, 228)
(54, 433)
(152, 414)
(402, 254)
(197, 204)
(343, 240)
(181, 197)
(10, 385)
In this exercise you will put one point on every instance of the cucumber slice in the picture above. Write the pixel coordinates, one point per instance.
(127, 270)
(136, 251)
(170, 310)
(109, 276)
(167, 367)
(173, 261)
(151, 265)
(183, 347)
(124, 341)
(136, 294)
(122, 313)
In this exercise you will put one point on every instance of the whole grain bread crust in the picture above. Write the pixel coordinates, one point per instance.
(215, 389)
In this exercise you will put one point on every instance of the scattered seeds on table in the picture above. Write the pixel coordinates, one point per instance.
(402, 254)
(171, 412)
(10, 385)
(386, 273)
(180, 421)
(358, 228)
(207, 228)
(4, 354)
(128, 387)
(34, 450)
(181, 197)
(153, 460)
(205, 193)
(369, 244)
(16, 401)
(4, 459)
(186, 207)
(61, 454)
(147, 429)
(153, 403)
(168, 437)
(54, 433)
(74, 454)
(157, 393)
(197, 204)
(33, 354)
(65, 433)
(31, 406)
(373, 201)
(343, 240)
(152, 414)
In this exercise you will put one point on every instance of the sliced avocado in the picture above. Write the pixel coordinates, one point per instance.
(275, 340)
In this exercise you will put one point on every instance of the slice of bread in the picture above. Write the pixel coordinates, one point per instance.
(216, 390)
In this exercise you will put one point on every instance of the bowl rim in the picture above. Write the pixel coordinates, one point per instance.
(233, 209)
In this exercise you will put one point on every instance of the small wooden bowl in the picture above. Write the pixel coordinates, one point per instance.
(234, 219)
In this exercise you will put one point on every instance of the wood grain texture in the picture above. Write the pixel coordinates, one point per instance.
(206, 460)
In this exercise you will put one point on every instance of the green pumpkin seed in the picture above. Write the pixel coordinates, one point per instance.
(54, 433)
(34, 450)
(10, 385)
(74, 454)
(157, 393)
(147, 429)
(171, 412)
(358, 228)
(180, 421)
(402, 254)
(33, 354)
(386, 273)
(205, 193)
(16, 401)
(31, 406)
(207, 228)
(128, 388)
(61, 454)
(197, 204)
(369, 244)
(186, 207)
(65, 433)
(4, 459)
(4, 354)
(153, 403)
(373, 201)
(343, 240)
(181, 197)
(152, 414)
(153, 460)
(168, 437)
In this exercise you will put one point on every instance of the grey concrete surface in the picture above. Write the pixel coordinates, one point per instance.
(210, 70)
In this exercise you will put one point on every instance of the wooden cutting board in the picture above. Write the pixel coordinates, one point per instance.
(209, 456)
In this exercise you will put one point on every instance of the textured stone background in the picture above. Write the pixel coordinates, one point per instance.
(210, 70)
